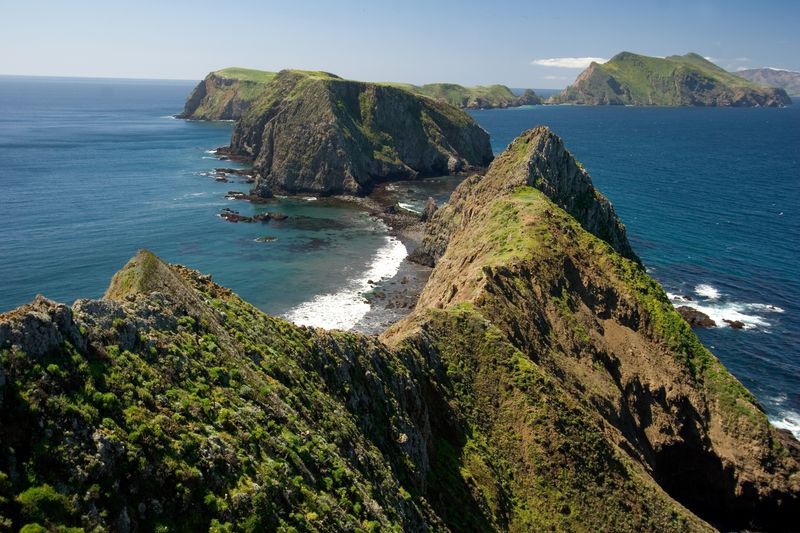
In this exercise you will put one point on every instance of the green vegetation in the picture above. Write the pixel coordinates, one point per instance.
(543, 383)
(226, 94)
(364, 133)
(245, 74)
(472, 97)
(634, 79)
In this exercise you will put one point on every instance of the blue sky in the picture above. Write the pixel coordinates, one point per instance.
(412, 41)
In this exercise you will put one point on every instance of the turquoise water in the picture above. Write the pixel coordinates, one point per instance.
(93, 170)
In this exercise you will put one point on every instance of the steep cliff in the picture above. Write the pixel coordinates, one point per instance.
(537, 158)
(543, 382)
(225, 94)
(689, 80)
(315, 132)
(772, 77)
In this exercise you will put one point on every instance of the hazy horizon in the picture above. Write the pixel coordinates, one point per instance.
(515, 43)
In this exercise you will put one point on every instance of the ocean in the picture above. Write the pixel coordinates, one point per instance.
(94, 169)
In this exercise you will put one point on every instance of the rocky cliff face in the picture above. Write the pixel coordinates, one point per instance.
(689, 80)
(225, 94)
(317, 133)
(543, 382)
(537, 158)
(783, 79)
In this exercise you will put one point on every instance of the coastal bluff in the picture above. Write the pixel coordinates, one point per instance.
(313, 132)
(688, 80)
(543, 382)
(227, 93)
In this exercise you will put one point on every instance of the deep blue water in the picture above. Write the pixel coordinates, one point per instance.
(93, 170)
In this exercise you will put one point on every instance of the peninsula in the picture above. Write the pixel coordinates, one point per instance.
(542, 383)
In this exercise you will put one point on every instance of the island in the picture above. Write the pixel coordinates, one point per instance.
(688, 80)
(478, 97)
(227, 93)
(787, 80)
(543, 382)
(314, 132)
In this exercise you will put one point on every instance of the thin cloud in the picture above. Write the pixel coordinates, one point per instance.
(743, 59)
(568, 62)
(551, 77)
(709, 58)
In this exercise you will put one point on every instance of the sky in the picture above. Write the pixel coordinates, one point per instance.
(516, 43)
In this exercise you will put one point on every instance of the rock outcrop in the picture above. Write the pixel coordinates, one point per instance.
(314, 132)
(695, 318)
(689, 80)
(772, 77)
(543, 382)
(537, 158)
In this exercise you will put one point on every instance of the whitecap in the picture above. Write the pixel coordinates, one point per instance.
(707, 291)
(345, 308)
(785, 418)
(214, 151)
(409, 207)
(746, 313)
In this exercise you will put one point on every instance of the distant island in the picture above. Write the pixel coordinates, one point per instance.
(688, 80)
(773, 77)
(225, 94)
(478, 97)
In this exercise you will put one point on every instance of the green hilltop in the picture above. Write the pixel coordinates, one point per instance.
(225, 94)
(688, 80)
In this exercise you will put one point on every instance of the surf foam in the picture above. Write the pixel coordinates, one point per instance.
(345, 308)
(720, 309)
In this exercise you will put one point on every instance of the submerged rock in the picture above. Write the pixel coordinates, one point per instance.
(695, 318)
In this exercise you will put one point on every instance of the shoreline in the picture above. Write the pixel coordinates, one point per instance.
(389, 299)
(393, 298)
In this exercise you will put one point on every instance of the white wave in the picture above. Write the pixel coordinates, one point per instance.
(214, 151)
(409, 207)
(707, 291)
(173, 117)
(767, 308)
(310, 198)
(345, 308)
(785, 418)
(747, 313)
